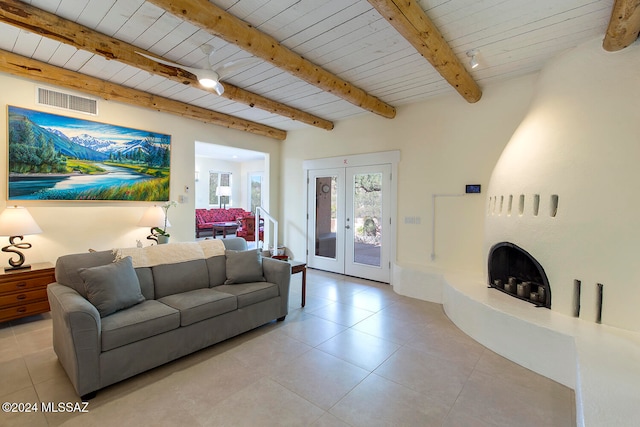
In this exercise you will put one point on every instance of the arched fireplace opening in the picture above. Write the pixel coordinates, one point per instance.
(514, 271)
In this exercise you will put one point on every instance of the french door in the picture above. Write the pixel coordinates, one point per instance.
(349, 221)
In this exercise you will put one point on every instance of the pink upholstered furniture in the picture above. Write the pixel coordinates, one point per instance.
(247, 229)
(206, 217)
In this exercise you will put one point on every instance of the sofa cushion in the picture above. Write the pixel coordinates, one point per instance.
(170, 279)
(67, 267)
(112, 287)
(137, 323)
(145, 277)
(251, 293)
(243, 267)
(200, 304)
(217, 270)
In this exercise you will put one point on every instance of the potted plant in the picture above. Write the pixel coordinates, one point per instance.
(161, 233)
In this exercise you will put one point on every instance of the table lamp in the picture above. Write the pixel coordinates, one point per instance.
(223, 192)
(16, 222)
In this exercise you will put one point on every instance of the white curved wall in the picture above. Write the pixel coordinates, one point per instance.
(580, 141)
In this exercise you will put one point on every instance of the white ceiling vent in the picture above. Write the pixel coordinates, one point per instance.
(66, 101)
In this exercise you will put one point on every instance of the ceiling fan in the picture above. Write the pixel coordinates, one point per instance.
(209, 77)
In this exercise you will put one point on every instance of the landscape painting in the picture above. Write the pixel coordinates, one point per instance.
(54, 157)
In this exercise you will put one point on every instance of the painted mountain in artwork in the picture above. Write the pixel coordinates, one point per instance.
(26, 137)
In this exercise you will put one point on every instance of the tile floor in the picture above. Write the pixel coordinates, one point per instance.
(357, 355)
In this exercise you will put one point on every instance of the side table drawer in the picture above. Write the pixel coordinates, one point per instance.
(22, 297)
(24, 310)
(17, 284)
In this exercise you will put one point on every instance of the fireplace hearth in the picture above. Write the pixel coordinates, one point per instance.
(514, 271)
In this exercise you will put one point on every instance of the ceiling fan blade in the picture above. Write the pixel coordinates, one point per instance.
(234, 66)
(171, 64)
(160, 60)
(219, 88)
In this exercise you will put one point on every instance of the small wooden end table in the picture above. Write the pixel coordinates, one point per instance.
(224, 227)
(24, 292)
(300, 267)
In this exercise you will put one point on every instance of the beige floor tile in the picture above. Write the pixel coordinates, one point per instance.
(312, 303)
(44, 365)
(34, 341)
(319, 377)
(154, 405)
(360, 349)
(500, 368)
(14, 376)
(56, 391)
(211, 381)
(31, 323)
(310, 329)
(9, 348)
(335, 293)
(5, 330)
(503, 403)
(268, 351)
(328, 420)
(341, 313)
(456, 418)
(389, 328)
(459, 351)
(310, 369)
(380, 402)
(264, 403)
(371, 301)
(33, 418)
(412, 312)
(431, 376)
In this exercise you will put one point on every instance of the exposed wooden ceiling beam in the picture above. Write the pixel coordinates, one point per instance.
(624, 25)
(39, 71)
(217, 21)
(48, 25)
(408, 18)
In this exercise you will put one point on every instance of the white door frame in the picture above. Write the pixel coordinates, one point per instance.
(386, 157)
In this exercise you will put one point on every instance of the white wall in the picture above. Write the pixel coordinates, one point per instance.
(207, 164)
(581, 141)
(70, 227)
(445, 143)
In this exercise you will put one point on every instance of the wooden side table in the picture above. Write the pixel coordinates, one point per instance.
(24, 292)
(301, 267)
(224, 227)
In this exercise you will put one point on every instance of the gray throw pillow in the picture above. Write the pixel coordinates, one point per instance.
(243, 267)
(112, 287)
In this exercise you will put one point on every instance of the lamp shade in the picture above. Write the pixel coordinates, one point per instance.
(224, 191)
(153, 217)
(17, 221)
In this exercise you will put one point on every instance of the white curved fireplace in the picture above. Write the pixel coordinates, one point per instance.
(566, 189)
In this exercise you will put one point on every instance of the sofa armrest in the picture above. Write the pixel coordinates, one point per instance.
(278, 272)
(76, 336)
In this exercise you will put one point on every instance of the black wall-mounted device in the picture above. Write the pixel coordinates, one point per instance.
(472, 188)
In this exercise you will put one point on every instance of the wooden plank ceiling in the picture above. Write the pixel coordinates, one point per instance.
(355, 56)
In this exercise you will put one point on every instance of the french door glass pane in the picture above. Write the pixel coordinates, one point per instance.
(367, 218)
(326, 210)
(256, 191)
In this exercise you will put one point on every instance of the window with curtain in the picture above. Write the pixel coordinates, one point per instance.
(219, 179)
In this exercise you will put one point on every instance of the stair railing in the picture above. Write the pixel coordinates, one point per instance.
(262, 213)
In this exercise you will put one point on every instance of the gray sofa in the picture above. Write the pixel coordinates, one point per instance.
(101, 338)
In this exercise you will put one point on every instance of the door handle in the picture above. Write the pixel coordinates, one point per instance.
(347, 227)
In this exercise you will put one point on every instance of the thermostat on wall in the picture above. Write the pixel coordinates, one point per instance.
(472, 188)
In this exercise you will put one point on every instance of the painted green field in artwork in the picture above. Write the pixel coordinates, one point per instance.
(54, 157)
